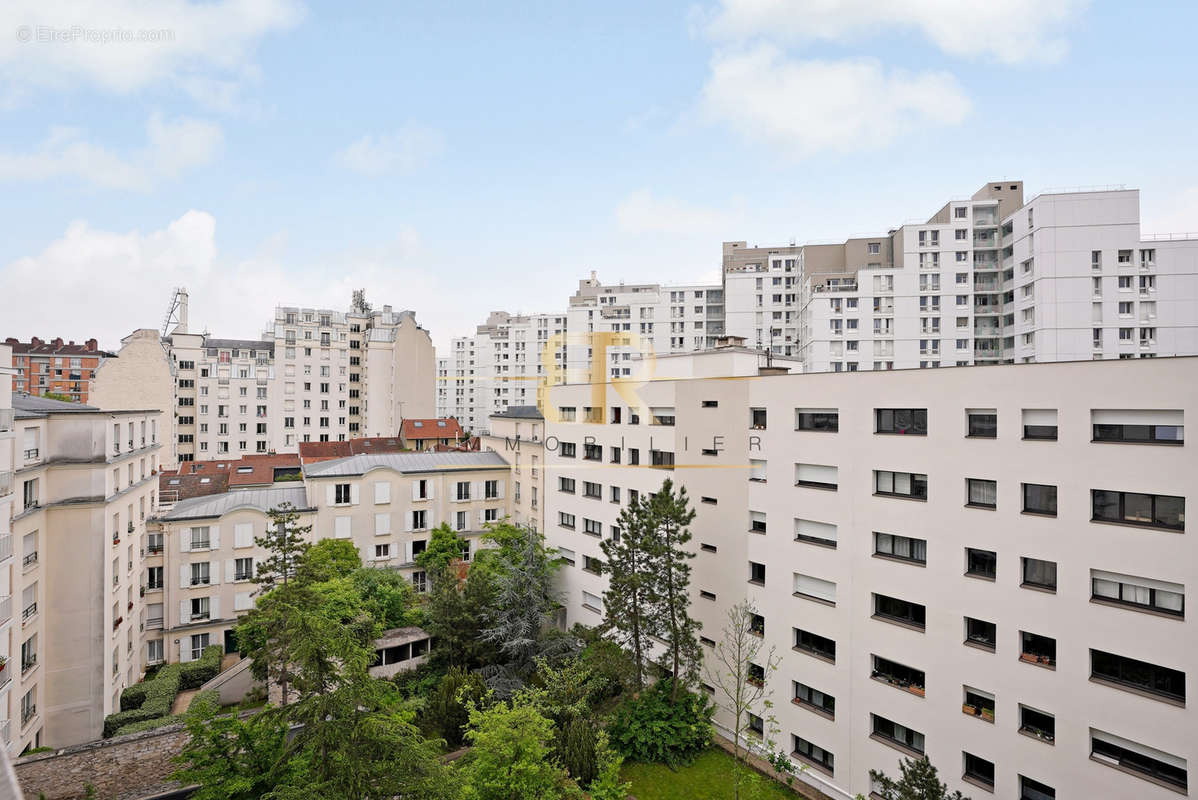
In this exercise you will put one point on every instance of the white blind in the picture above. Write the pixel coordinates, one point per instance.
(815, 587)
(816, 473)
(1132, 416)
(815, 530)
(382, 492)
(1039, 416)
(1149, 583)
(382, 524)
(341, 527)
(243, 534)
(1136, 747)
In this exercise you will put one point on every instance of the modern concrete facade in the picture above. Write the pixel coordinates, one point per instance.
(201, 556)
(988, 567)
(70, 581)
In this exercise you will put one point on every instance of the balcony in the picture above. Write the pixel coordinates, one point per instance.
(6, 482)
(32, 454)
(5, 609)
(29, 613)
(5, 546)
(154, 623)
(29, 561)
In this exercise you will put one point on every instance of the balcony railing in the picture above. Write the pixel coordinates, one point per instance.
(28, 713)
(29, 561)
(29, 613)
(154, 623)
(32, 454)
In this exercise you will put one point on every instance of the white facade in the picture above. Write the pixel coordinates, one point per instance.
(815, 525)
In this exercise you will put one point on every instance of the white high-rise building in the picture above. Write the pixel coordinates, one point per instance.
(988, 567)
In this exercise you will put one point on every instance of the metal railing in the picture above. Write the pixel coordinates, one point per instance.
(29, 560)
(29, 613)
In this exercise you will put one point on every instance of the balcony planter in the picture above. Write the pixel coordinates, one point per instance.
(115, 540)
(987, 715)
(916, 690)
(130, 605)
(968, 709)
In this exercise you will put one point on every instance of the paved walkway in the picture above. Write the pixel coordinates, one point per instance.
(183, 700)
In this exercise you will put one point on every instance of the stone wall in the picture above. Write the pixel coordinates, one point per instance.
(122, 768)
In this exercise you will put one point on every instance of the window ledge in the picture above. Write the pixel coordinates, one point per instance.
(1037, 588)
(900, 560)
(891, 621)
(987, 787)
(814, 655)
(1140, 775)
(811, 763)
(817, 542)
(823, 487)
(901, 497)
(979, 436)
(1028, 513)
(1030, 735)
(982, 506)
(1123, 687)
(979, 577)
(1101, 601)
(978, 646)
(1052, 667)
(814, 599)
(591, 608)
(813, 709)
(1150, 444)
(897, 433)
(1140, 525)
(907, 689)
(902, 748)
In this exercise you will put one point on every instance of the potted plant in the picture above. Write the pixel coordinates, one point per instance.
(968, 709)
(988, 714)
(917, 690)
(3, 662)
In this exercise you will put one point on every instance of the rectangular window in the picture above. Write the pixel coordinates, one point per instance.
(981, 493)
(826, 420)
(981, 563)
(341, 493)
(902, 611)
(911, 421)
(814, 644)
(1037, 649)
(983, 424)
(901, 484)
(981, 633)
(1134, 508)
(1038, 724)
(898, 675)
(823, 533)
(816, 476)
(591, 526)
(1147, 762)
(812, 754)
(757, 522)
(903, 548)
(1140, 427)
(1040, 499)
(565, 520)
(565, 484)
(804, 695)
(1140, 675)
(1040, 574)
(814, 588)
(757, 419)
(895, 733)
(590, 489)
(567, 450)
(979, 770)
(1040, 423)
(1141, 593)
(757, 573)
(1034, 790)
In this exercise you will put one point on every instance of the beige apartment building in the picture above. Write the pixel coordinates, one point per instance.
(70, 580)
(985, 566)
(518, 436)
(202, 559)
(142, 374)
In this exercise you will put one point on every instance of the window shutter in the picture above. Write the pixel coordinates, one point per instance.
(243, 535)
(184, 618)
(476, 490)
(241, 601)
(407, 551)
(185, 649)
(430, 519)
(214, 608)
(382, 524)
(331, 492)
(342, 529)
(416, 489)
(501, 483)
(431, 484)
(482, 517)
(185, 540)
(230, 570)
(353, 494)
(408, 519)
(184, 576)
(214, 534)
(214, 572)
(382, 492)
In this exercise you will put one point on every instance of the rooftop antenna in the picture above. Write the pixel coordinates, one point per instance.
(177, 313)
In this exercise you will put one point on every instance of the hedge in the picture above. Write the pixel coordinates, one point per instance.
(147, 725)
(157, 697)
(207, 700)
(196, 673)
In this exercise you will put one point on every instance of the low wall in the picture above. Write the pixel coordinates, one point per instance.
(130, 767)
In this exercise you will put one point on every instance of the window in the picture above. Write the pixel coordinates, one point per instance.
(901, 484)
(814, 644)
(1133, 508)
(981, 493)
(981, 563)
(757, 419)
(826, 420)
(565, 484)
(1138, 759)
(823, 533)
(1040, 423)
(341, 493)
(567, 450)
(661, 416)
(591, 526)
(912, 421)
(592, 565)
(901, 611)
(1141, 427)
(898, 675)
(1037, 724)
(1034, 790)
(1040, 499)
(814, 588)
(1141, 593)
(1036, 649)
(816, 476)
(1139, 675)
(978, 770)
(590, 489)
(200, 574)
(757, 521)
(902, 548)
(592, 452)
(199, 608)
(757, 573)
(565, 520)
(981, 633)
(1039, 574)
(243, 569)
(983, 424)
(491, 490)
(894, 733)
(565, 555)
(804, 695)
(811, 754)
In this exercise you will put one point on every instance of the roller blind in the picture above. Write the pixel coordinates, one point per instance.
(816, 473)
(1039, 416)
(815, 587)
(810, 529)
(1129, 416)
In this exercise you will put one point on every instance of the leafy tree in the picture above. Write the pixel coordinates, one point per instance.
(328, 559)
(285, 542)
(920, 781)
(511, 755)
(444, 548)
(659, 726)
(445, 711)
(386, 596)
(632, 591)
(740, 672)
(230, 758)
(669, 514)
(607, 784)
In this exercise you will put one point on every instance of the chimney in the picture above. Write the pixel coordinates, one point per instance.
(182, 300)
(92, 345)
(57, 342)
(35, 342)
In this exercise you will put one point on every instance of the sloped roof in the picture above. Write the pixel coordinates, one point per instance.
(311, 452)
(520, 412)
(417, 429)
(217, 505)
(404, 462)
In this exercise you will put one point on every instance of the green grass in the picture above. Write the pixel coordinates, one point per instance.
(709, 777)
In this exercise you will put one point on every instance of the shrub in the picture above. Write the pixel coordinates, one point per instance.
(196, 673)
(445, 715)
(157, 697)
(207, 701)
(148, 725)
(575, 748)
(651, 728)
(419, 682)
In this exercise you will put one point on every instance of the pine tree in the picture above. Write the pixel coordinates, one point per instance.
(631, 594)
(669, 514)
(919, 781)
(286, 542)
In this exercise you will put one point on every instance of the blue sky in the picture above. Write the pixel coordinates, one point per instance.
(458, 157)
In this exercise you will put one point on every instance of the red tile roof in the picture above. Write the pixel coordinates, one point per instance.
(55, 347)
(198, 478)
(418, 429)
(311, 452)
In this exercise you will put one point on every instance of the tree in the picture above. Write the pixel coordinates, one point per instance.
(631, 593)
(511, 755)
(445, 711)
(444, 549)
(455, 610)
(230, 758)
(741, 674)
(607, 784)
(920, 781)
(669, 514)
(328, 559)
(285, 542)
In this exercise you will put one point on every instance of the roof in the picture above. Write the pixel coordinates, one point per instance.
(188, 484)
(56, 347)
(254, 470)
(311, 452)
(195, 478)
(405, 462)
(239, 344)
(417, 429)
(521, 412)
(217, 505)
(35, 405)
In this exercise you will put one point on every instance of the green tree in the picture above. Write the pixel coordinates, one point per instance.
(631, 595)
(230, 758)
(669, 514)
(386, 596)
(328, 559)
(511, 754)
(607, 784)
(455, 610)
(445, 710)
(919, 781)
(285, 542)
(444, 549)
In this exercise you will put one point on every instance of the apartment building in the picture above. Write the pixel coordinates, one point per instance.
(70, 577)
(201, 559)
(56, 367)
(7, 501)
(518, 436)
(143, 374)
(987, 567)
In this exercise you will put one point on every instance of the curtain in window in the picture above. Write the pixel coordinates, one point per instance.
(983, 493)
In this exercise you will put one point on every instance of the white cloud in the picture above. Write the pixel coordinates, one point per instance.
(1011, 31)
(406, 150)
(1171, 214)
(805, 107)
(642, 212)
(172, 147)
(193, 44)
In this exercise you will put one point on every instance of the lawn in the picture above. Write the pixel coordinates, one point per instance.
(708, 778)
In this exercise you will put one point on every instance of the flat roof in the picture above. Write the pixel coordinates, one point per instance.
(405, 463)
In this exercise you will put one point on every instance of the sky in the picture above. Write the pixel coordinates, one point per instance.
(458, 157)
